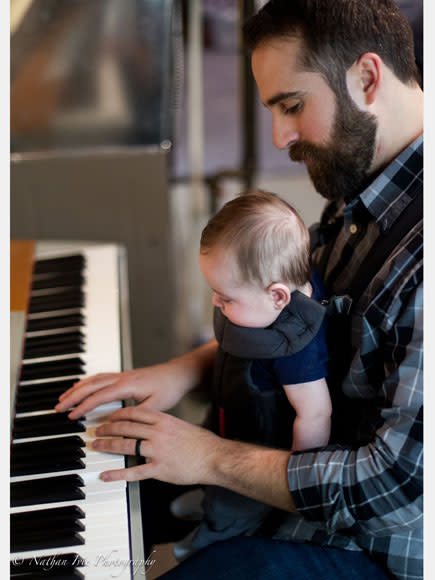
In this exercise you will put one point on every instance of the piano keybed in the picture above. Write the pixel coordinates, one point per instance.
(66, 522)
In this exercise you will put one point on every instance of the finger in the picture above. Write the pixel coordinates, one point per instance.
(140, 413)
(106, 395)
(124, 429)
(92, 382)
(128, 474)
(122, 446)
(76, 395)
(116, 445)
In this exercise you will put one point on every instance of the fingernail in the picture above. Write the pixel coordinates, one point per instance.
(104, 477)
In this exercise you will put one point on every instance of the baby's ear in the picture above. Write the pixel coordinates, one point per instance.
(280, 295)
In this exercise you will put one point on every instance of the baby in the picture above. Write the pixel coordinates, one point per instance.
(269, 382)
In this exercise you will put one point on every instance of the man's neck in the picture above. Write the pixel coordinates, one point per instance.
(401, 124)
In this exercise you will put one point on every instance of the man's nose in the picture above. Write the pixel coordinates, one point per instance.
(285, 132)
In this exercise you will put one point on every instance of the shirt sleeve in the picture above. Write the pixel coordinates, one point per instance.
(309, 364)
(376, 488)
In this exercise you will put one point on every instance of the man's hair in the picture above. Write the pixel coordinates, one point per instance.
(335, 33)
(269, 239)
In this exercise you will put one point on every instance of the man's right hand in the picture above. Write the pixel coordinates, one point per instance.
(159, 387)
(151, 384)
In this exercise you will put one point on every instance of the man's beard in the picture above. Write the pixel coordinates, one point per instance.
(340, 169)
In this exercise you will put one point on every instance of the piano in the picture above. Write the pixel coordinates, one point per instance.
(65, 522)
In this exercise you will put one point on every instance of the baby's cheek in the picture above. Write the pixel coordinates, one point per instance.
(232, 315)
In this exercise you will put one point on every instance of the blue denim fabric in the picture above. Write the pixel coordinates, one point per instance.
(254, 558)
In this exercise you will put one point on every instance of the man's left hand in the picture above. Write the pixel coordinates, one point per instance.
(176, 451)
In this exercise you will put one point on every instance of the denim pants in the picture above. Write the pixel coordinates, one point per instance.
(254, 558)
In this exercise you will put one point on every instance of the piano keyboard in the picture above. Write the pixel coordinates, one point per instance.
(66, 522)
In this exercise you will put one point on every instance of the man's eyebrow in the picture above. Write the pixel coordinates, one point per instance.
(283, 97)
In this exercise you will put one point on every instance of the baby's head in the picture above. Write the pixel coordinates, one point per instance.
(254, 252)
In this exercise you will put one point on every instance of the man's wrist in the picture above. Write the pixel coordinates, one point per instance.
(192, 365)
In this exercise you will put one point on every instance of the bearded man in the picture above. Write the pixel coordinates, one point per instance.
(340, 80)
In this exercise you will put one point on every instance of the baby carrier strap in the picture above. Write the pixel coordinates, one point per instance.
(339, 313)
(378, 254)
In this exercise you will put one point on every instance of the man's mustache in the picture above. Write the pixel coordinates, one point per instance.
(305, 152)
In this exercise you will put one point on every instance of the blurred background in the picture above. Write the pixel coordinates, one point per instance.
(132, 121)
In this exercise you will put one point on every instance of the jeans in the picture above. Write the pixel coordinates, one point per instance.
(254, 558)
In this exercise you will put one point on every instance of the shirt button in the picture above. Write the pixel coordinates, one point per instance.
(353, 229)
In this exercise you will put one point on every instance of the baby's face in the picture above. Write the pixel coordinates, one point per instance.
(244, 304)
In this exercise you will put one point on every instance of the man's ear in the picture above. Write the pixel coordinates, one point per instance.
(364, 79)
(280, 295)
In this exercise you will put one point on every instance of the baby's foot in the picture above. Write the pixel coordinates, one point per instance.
(188, 505)
(183, 549)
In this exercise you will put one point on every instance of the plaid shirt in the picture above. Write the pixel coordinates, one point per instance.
(368, 496)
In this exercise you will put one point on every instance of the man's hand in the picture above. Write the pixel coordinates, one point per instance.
(157, 387)
(150, 384)
(181, 453)
(175, 451)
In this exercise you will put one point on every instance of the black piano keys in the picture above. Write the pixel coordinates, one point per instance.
(62, 527)
(47, 455)
(51, 447)
(52, 369)
(65, 280)
(54, 345)
(41, 396)
(48, 424)
(47, 490)
(57, 284)
(61, 300)
(56, 289)
(53, 266)
(74, 320)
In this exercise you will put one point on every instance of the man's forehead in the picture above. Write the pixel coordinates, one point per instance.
(280, 75)
(275, 66)
(276, 47)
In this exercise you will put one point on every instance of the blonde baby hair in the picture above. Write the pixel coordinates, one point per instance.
(269, 239)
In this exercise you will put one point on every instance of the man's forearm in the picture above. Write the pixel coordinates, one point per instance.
(252, 470)
(194, 364)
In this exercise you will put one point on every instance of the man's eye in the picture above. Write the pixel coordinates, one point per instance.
(293, 109)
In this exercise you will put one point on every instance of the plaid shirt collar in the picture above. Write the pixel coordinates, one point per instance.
(392, 191)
